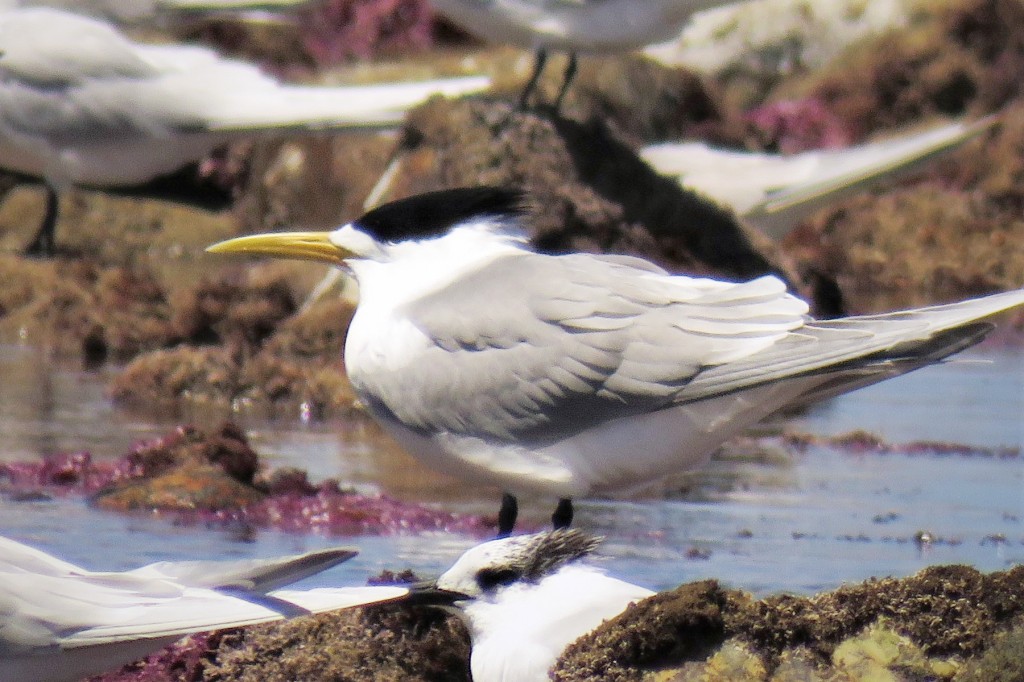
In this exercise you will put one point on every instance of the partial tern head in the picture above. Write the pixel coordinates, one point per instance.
(525, 599)
(373, 236)
(584, 373)
(486, 569)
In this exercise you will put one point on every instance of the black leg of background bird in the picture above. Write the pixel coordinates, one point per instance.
(43, 243)
(507, 515)
(570, 74)
(562, 518)
(538, 66)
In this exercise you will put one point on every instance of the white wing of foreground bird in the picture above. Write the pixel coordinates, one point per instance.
(61, 622)
(80, 104)
(775, 192)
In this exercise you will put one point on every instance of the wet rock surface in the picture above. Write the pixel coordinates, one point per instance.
(214, 479)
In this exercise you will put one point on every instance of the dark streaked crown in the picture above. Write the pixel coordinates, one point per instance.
(436, 212)
(533, 557)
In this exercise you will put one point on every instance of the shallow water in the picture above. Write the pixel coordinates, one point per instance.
(797, 522)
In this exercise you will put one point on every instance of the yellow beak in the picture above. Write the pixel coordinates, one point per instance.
(316, 246)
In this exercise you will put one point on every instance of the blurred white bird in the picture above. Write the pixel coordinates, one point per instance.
(580, 374)
(155, 11)
(525, 598)
(80, 104)
(774, 192)
(588, 26)
(60, 622)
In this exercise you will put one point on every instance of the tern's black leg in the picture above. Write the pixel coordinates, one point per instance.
(562, 518)
(507, 515)
(538, 66)
(43, 243)
(570, 74)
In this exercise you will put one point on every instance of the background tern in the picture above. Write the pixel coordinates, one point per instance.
(59, 622)
(526, 598)
(774, 192)
(80, 104)
(580, 374)
(571, 26)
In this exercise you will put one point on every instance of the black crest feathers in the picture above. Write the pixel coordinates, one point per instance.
(435, 212)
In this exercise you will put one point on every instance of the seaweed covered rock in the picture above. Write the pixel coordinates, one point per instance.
(187, 469)
(380, 644)
(921, 627)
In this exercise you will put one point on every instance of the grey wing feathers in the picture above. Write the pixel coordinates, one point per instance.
(258, 575)
(910, 338)
(584, 339)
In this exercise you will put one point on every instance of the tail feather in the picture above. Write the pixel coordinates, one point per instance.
(888, 344)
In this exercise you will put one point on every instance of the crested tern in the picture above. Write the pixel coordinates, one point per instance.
(525, 598)
(589, 26)
(60, 622)
(579, 374)
(775, 192)
(81, 104)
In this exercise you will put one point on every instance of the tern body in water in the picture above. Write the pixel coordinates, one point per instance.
(580, 374)
(775, 192)
(588, 26)
(80, 104)
(525, 598)
(60, 622)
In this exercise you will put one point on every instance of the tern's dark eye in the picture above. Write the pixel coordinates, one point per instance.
(491, 578)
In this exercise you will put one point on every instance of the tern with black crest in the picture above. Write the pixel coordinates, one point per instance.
(583, 374)
(525, 598)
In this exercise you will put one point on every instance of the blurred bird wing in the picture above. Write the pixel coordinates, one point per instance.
(836, 174)
(111, 87)
(49, 47)
(585, 339)
(775, 191)
(258, 575)
(740, 180)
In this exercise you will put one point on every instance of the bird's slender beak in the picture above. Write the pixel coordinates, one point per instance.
(316, 246)
(427, 593)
